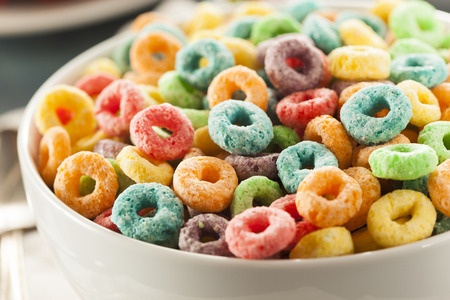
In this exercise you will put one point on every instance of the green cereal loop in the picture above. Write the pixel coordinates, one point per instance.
(408, 46)
(403, 161)
(300, 9)
(121, 53)
(187, 62)
(176, 91)
(437, 136)
(258, 189)
(283, 137)
(198, 117)
(420, 184)
(417, 19)
(124, 180)
(273, 25)
(159, 229)
(442, 223)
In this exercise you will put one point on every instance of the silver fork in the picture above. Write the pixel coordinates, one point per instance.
(15, 215)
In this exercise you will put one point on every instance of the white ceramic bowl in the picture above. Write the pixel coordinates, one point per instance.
(101, 264)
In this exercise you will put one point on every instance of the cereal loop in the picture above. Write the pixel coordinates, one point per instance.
(69, 107)
(439, 188)
(67, 183)
(356, 32)
(205, 183)
(384, 213)
(54, 147)
(442, 93)
(238, 78)
(328, 197)
(259, 232)
(436, 135)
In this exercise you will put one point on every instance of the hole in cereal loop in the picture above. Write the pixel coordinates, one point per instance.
(446, 141)
(87, 185)
(163, 133)
(210, 174)
(241, 119)
(295, 63)
(64, 115)
(258, 226)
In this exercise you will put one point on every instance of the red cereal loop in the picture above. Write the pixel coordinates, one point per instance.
(167, 117)
(94, 83)
(259, 232)
(116, 106)
(297, 109)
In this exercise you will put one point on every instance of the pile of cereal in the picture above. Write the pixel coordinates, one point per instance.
(294, 131)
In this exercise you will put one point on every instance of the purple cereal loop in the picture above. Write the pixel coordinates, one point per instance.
(260, 165)
(201, 226)
(109, 148)
(287, 79)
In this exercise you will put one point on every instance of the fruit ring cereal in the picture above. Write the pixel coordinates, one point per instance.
(283, 137)
(442, 93)
(244, 52)
(273, 25)
(356, 32)
(435, 135)
(69, 107)
(256, 190)
(438, 187)
(301, 9)
(157, 229)
(298, 109)
(375, 22)
(205, 183)
(109, 148)
(264, 164)
(259, 232)
(154, 51)
(383, 215)
(67, 183)
(409, 46)
(195, 233)
(116, 105)
(358, 114)
(403, 161)
(141, 168)
(240, 127)
(425, 106)
(94, 83)
(188, 62)
(302, 226)
(295, 162)
(176, 91)
(323, 32)
(241, 27)
(327, 130)
(54, 147)
(325, 242)
(167, 28)
(104, 219)
(164, 116)
(238, 78)
(345, 61)
(286, 79)
(328, 197)
(427, 69)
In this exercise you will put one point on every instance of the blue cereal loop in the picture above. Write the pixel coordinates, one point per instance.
(242, 27)
(240, 127)
(323, 32)
(358, 114)
(300, 9)
(188, 62)
(427, 69)
(159, 229)
(296, 161)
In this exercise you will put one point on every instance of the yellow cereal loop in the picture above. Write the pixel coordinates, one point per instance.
(326, 242)
(244, 51)
(69, 107)
(206, 16)
(87, 143)
(356, 32)
(345, 63)
(383, 8)
(151, 94)
(205, 34)
(253, 8)
(103, 64)
(439, 188)
(363, 241)
(203, 141)
(383, 215)
(425, 106)
(141, 168)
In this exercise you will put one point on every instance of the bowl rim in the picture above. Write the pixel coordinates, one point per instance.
(74, 67)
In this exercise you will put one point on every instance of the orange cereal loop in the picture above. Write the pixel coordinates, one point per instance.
(146, 18)
(328, 197)
(360, 155)
(448, 77)
(67, 183)
(350, 90)
(205, 183)
(69, 107)
(154, 51)
(411, 132)
(439, 189)
(371, 191)
(442, 93)
(203, 141)
(54, 147)
(238, 78)
(331, 133)
(141, 168)
(193, 152)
